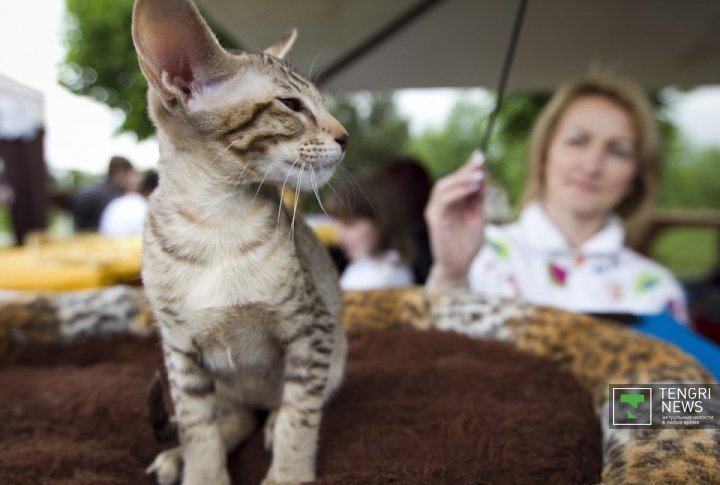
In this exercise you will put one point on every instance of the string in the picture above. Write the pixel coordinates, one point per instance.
(505, 73)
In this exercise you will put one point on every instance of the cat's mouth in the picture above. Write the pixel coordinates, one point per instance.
(312, 166)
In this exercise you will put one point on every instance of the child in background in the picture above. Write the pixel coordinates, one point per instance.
(125, 215)
(375, 230)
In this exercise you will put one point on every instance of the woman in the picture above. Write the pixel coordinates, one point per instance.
(595, 156)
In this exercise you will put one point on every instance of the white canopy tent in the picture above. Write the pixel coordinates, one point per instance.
(21, 110)
(22, 155)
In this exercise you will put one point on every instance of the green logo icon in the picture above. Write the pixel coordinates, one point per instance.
(631, 406)
(634, 400)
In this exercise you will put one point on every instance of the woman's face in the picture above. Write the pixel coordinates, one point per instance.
(358, 236)
(591, 159)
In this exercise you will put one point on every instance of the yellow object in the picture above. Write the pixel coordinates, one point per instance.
(85, 261)
(326, 233)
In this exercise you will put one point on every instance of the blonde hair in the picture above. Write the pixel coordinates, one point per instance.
(637, 206)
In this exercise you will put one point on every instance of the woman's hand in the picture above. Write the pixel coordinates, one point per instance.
(456, 219)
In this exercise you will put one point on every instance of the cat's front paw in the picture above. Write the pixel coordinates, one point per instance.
(269, 431)
(167, 466)
(204, 477)
(268, 481)
(288, 479)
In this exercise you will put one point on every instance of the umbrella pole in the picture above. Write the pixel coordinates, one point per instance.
(505, 73)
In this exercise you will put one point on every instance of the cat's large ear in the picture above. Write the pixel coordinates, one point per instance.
(177, 51)
(280, 48)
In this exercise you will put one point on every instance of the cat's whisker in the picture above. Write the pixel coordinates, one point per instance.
(319, 74)
(297, 198)
(242, 172)
(312, 64)
(340, 172)
(334, 192)
(221, 152)
(280, 206)
(313, 182)
(362, 191)
(257, 192)
(353, 180)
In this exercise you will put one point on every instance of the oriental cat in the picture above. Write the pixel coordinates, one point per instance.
(246, 298)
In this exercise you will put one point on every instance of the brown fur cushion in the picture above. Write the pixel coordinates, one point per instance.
(416, 407)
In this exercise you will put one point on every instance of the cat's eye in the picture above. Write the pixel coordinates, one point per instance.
(293, 104)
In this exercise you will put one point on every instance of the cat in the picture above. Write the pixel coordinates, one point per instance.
(246, 298)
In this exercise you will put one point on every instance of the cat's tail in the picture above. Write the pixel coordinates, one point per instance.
(164, 427)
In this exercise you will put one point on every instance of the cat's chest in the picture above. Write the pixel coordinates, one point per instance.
(242, 260)
(238, 280)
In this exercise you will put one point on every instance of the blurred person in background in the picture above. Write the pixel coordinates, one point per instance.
(125, 215)
(595, 160)
(89, 202)
(374, 231)
(414, 186)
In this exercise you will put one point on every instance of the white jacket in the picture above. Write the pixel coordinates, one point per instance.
(124, 216)
(530, 259)
(374, 272)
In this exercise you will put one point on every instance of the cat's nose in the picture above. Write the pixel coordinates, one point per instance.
(342, 140)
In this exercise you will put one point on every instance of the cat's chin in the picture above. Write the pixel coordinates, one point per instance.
(318, 177)
(322, 175)
(319, 173)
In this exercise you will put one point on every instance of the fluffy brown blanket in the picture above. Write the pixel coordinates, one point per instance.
(416, 407)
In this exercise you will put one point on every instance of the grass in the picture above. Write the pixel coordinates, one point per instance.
(690, 253)
(4, 218)
(6, 234)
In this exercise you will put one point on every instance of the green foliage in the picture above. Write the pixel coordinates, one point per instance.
(4, 218)
(517, 116)
(509, 147)
(689, 252)
(101, 61)
(377, 131)
(444, 149)
(661, 101)
(692, 180)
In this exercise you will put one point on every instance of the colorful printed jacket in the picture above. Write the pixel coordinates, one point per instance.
(531, 260)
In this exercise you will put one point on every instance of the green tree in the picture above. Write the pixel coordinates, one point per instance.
(377, 131)
(692, 180)
(446, 148)
(101, 62)
(510, 144)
